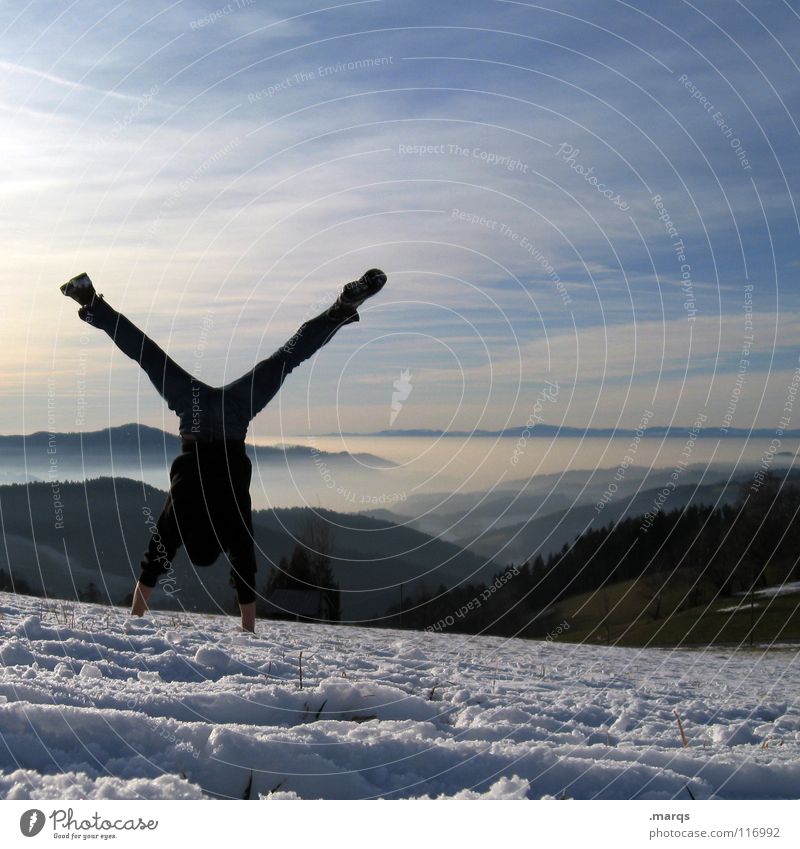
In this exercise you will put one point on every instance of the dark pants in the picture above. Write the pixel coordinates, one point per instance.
(208, 511)
(208, 506)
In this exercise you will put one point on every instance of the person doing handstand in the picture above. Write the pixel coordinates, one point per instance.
(208, 508)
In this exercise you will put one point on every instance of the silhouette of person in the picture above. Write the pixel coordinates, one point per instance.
(208, 508)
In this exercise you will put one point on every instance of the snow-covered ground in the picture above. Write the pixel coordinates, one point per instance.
(104, 706)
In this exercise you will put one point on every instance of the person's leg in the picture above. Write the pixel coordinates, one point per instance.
(196, 481)
(238, 537)
(165, 535)
(242, 555)
(254, 390)
(246, 397)
(173, 383)
(157, 560)
(164, 542)
(211, 500)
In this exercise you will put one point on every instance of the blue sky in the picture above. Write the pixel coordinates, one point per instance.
(220, 168)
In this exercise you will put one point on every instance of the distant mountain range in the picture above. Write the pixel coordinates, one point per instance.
(126, 449)
(542, 430)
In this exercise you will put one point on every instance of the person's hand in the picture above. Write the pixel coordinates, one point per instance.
(141, 595)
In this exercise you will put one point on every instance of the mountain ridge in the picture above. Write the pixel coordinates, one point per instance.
(542, 430)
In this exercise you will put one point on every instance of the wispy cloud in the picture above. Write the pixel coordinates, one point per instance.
(253, 157)
(13, 68)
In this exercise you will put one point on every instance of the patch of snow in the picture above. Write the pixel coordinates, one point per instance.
(736, 734)
(505, 788)
(89, 670)
(14, 653)
(738, 608)
(781, 589)
(148, 677)
(787, 588)
(214, 659)
(193, 711)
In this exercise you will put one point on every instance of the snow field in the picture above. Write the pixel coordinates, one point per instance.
(163, 707)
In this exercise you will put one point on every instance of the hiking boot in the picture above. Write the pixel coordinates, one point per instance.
(355, 293)
(80, 289)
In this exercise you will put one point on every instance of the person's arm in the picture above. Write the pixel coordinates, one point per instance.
(242, 557)
(243, 578)
(248, 612)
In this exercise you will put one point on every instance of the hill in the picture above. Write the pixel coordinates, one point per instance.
(544, 512)
(628, 613)
(658, 577)
(61, 536)
(548, 533)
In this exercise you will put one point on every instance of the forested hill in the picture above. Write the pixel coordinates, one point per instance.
(678, 566)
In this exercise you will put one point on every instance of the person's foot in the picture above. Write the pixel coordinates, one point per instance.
(80, 289)
(355, 293)
(345, 308)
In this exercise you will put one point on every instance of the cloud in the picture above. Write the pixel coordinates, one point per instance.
(253, 164)
(15, 69)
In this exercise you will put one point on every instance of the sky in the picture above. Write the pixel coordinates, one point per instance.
(597, 196)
